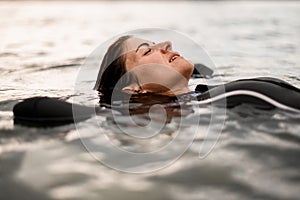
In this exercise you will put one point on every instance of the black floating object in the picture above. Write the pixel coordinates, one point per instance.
(45, 111)
(201, 71)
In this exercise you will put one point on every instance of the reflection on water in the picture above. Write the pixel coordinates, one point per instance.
(44, 43)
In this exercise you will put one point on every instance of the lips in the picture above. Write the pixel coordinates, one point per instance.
(173, 56)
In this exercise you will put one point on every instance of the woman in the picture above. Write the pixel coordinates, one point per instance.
(139, 67)
(145, 68)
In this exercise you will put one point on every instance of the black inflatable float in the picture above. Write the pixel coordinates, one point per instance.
(262, 93)
(45, 111)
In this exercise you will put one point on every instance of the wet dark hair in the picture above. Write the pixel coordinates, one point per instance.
(111, 70)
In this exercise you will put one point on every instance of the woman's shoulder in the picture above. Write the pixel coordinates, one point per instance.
(263, 92)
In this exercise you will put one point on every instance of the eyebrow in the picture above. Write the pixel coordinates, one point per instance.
(143, 44)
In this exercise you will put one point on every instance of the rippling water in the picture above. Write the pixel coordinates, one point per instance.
(43, 45)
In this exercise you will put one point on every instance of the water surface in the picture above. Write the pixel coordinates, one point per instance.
(43, 45)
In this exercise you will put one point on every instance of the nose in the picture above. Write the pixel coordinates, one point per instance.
(164, 47)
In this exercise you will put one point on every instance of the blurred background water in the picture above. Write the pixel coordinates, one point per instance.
(43, 45)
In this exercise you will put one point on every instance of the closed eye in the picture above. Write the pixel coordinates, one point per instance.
(147, 52)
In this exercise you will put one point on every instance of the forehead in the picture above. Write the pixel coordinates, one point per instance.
(133, 42)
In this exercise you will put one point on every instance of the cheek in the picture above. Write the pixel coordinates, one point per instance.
(152, 58)
(130, 63)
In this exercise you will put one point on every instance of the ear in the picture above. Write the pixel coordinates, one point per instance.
(133, 88)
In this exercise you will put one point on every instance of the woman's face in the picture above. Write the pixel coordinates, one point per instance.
(157, 62)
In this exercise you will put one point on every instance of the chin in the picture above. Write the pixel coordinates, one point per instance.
(187, 69)
(184, 67)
